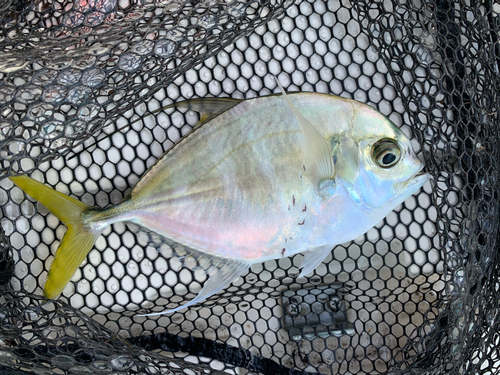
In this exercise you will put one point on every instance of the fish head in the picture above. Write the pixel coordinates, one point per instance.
(376, 163)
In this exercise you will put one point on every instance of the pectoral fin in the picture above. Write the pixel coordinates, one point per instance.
(318, 159)
(349, 164)
(220, 277)
(313, 258)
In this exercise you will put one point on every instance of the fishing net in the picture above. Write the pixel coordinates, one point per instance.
(416, 294)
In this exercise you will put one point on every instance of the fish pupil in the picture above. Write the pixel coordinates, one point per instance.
(388, 159)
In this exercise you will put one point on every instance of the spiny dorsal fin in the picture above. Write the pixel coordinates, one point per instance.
(318, 158)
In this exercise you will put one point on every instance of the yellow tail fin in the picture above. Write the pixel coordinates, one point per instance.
(76, 243)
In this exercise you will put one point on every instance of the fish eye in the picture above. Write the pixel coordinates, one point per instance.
(386, 153)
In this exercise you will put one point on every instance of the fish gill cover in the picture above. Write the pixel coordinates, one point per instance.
(420, 289)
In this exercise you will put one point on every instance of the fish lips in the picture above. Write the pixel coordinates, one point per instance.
(406, 188)
(418, 179)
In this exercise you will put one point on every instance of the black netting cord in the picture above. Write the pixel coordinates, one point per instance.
(47, 336)
(207, 348)
(106, 69)
(465, 330)
(71, 336)
(6, 261)
(458, 129)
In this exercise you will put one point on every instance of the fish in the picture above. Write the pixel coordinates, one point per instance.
(255, 180)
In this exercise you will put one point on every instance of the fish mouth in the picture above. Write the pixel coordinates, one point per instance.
(420, 177)
(412, 184)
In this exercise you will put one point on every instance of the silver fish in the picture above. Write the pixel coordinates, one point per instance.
(260, 179)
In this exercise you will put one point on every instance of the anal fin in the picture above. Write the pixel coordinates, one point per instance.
(219, 278)
(313, 258)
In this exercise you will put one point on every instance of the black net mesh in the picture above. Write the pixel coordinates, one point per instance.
(416, 294)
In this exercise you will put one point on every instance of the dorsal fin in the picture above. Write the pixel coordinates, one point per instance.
(208, 108)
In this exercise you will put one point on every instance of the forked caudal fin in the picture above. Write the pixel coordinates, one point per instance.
(76, 243)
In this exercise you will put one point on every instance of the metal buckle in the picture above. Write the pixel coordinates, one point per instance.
(319, 311)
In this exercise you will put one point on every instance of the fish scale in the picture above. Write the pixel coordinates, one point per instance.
(257, 180)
